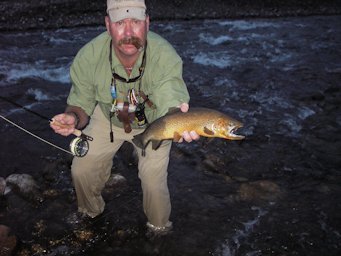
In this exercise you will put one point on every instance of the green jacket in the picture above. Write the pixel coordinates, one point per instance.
(162, 80)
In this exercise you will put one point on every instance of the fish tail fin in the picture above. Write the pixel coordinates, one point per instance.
(138, 141)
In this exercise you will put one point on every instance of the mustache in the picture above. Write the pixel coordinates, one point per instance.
(137, 42)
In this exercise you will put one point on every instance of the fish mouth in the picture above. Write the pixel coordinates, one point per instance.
(233, 136)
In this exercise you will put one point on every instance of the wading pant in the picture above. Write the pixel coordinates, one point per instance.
(91, 172)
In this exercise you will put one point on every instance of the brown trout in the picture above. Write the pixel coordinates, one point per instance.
(206, 122)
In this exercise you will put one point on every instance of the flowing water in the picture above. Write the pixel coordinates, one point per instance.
(275, 193)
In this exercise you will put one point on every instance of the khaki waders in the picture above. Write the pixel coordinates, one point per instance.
(91, 172)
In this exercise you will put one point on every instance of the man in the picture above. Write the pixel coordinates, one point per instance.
(122, 80)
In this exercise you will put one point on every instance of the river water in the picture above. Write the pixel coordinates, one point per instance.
(275, 193)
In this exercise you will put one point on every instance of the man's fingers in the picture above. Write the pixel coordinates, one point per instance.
(189, 136)
(184, 107)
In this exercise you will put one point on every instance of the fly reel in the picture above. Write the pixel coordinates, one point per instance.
(79, 146)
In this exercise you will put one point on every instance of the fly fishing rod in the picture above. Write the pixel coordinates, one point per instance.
(79, 146)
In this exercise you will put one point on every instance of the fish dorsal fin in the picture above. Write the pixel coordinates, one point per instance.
(176, 137)
(208, 131)
(156, 144)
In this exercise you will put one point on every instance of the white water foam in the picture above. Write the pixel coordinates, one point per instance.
(219, 60)
(270, 102)
(208, 38)
(305, 112)
(291, 125)
(247, 25)
(16, 72)
(231, 245)
(38, 94)
(59, 41)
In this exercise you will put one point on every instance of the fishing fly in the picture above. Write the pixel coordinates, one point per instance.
(79, 146)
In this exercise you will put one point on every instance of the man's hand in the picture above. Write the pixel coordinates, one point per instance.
(64, 124)
(188, 136)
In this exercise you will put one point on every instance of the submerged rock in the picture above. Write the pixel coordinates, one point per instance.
(263, 190)
(7, 242)
(2, 186)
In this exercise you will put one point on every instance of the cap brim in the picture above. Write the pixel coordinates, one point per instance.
(127, 13)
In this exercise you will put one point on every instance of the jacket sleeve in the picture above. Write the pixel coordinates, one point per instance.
(82, 93)
(169, 88)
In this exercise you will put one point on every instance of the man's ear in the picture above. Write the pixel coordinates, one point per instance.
(107, 23)
(147, 22)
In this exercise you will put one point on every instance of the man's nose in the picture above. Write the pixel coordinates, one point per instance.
(128, 29)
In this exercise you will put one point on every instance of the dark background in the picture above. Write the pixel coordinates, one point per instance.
(23, 15)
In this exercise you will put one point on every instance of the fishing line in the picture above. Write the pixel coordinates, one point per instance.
(25, 108)
(79, 146)
(36, 136)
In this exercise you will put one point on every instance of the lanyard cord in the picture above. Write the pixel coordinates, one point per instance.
(122, 79)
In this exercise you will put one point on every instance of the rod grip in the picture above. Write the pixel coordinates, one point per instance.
(76, 132)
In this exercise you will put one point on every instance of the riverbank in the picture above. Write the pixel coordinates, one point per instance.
(20, 15)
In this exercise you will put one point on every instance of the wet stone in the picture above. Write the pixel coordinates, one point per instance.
(25, 186)
(240, 179)
(2, 186)
(210, 164)
(51, 193)
(23, 182)
(115, 184)
(8, 242)
(15, 202)
(259, 190)
(115, 180)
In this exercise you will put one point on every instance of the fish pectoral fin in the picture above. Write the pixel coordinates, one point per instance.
(156, 144)
(176, 137)
(208, 131)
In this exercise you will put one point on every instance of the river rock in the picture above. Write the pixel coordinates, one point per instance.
(114, 180)
(262, 190)
(115, 184)
(2, 186)
(23, 182)
(25, 185)
(7, 242)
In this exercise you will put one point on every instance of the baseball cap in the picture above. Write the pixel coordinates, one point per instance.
(123, 9)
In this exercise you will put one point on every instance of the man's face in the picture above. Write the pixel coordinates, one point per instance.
(128, 35)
